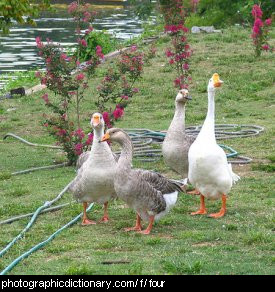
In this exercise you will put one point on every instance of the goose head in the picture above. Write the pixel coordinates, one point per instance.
(115, 135)
(183, 96)
(214, 82)
(97, 121)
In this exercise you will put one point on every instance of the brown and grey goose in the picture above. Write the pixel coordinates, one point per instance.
(176, 144)
(149, 193)
(94, 179)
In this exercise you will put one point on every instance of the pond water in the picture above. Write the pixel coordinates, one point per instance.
(18, 50)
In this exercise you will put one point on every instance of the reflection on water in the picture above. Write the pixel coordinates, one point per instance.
(18, 50)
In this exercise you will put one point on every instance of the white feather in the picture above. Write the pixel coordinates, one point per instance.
(235, 177)
(170, 200)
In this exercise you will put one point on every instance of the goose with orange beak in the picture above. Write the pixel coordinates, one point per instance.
(209, 171)
(94, 180)
(149, 193)
(176, 144)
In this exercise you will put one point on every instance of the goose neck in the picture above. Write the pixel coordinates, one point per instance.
(208, 128)
(126, 156)
(98, 133)
(178, 122)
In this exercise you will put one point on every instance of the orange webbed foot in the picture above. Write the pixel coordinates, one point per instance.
(87, 221)
(104, 219)
(135, 228)
(145, 232)
(199, 212)
(194, 192)
(217, 215)
(222, 211)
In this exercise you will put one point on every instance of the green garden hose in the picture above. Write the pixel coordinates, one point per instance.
(46, 205)
(43, 243)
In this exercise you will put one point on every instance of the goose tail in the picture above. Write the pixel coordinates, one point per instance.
(170, 200)
(235, 177)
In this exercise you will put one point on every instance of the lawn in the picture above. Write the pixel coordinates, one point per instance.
(242, 242)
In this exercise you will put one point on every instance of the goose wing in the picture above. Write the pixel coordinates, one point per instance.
(81, 159)
(158, 181)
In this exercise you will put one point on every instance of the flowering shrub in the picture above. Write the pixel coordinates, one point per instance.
(260, 31)
(114, 92)
(94, 39)
(180, 53)
(117, 86)
(68, 88)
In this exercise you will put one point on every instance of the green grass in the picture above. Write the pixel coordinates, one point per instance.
(240, 243)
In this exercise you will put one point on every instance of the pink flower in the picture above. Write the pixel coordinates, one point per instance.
(79, 133)
(256, 31)
(37, 74)
(39, 43)
(48, 60)
(106, 119)
(118, 112)
(61, 132)
(265, 47)
(268, 21)
(72, 7)
(63, 56)
(80, 77)
(99, 52)
(43, 80)
(133, 48)
(46, 125)
(87, 16)
(257, 11)
(90, 29)
(78, 148)
(171, 61)
(169, 53)
(258, 22)
(135, 90)
(177, 82)
(90, 139)
(45, 97)
(83, 42)
(185, 66)
(126, 97)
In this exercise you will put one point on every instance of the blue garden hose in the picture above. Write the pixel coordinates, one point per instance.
(42, 244)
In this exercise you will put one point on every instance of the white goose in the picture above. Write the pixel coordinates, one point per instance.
(95, 177)
(209, 172)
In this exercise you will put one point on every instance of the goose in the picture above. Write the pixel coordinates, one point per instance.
(176, 144)
(209, 170)
(149, 193)
(94, 179)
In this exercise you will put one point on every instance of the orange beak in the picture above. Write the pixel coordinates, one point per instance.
(105, 137)
(96, 121)
(217, 81)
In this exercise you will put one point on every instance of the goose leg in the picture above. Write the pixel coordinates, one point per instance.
(150, 226)
(85, 219)
(137, 227)
(222, 211)
(105, 217)
(202, 210)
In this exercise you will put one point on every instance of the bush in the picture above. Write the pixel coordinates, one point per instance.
(94, 39)
(221, 13)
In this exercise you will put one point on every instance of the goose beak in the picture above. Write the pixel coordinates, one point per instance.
(217, 81)
(105, 138)
(96, 121)
(189, 97)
